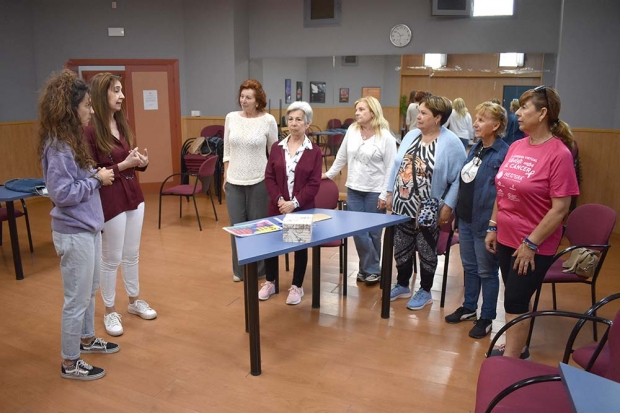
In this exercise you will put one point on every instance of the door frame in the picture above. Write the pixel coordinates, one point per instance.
(171, 66)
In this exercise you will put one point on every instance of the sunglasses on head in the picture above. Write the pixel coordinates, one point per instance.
(542, 89)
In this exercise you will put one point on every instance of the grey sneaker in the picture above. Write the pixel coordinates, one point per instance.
(99, 345)
(81, 370)
(361, 277)
(372, 279)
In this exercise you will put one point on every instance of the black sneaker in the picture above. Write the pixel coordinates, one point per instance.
(481, 328)
(99, 345)
(81, 370)
(361, 277)
(525, 353)
(461, 314)
(372, 279)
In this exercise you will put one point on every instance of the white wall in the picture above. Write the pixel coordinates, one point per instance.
(588, 79)
(276, 29)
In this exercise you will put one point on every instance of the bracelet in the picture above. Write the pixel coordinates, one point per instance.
(492, 222)
(99, 178)
(491, 229)
(528, 243)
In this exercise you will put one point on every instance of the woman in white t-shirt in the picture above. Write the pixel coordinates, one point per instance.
(413, 109)
(460, 122)
(248, 136)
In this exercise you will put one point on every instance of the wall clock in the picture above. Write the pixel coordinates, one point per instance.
(400, 35)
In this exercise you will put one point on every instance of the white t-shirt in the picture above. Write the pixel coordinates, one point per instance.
(246, 144)
(462, 126)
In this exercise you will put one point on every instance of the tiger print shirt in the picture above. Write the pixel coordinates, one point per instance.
(418, 163)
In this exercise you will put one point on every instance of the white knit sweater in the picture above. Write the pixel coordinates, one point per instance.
(246, 144)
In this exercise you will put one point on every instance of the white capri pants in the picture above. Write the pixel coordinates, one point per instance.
(121, 246)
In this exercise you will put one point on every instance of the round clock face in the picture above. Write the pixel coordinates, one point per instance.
(400, 35)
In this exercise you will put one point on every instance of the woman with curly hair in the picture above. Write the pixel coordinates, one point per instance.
(111, 143)
(77, 218)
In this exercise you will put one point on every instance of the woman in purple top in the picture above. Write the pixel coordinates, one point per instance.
(111, 143)
(77, 219)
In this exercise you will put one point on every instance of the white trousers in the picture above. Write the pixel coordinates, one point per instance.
(121, 246)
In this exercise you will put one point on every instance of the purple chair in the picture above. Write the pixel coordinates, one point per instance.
(203, 175)
(327, 198)
(447, 238)
(213, 130)
(588, 226)
(4, 216)
(509, 384)
(347, 122)
(331, 147)
(334, 124)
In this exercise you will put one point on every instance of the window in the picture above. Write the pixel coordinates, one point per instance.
(435, 60)
(511, 59)
(484, 8)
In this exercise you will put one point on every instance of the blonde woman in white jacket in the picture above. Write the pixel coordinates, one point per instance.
(369, 149)
(460, 122)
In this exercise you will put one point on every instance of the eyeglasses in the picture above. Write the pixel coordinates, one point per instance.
(542, 89)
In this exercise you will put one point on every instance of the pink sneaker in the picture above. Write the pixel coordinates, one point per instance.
(267, 290)
(294, 295)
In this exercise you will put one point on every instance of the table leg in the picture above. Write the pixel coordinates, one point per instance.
(316, 277)
(386, 270)
(17, 257)
(251, 305)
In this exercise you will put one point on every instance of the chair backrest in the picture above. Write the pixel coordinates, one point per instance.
(590, 224)
(327, 197)
(207, 168)
(347, 122)
(193, 163)
(212, 130)
(333, 143)
(446, 232)
(334, 124)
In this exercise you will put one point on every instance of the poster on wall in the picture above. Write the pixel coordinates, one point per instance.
(299, 93)
(344, 95)
(317, 92)
(372, 91)
(287, 90)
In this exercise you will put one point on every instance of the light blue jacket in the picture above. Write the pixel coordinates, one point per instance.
(449, 159)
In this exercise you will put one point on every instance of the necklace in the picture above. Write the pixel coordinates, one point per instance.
(133, 170)
(540, 143)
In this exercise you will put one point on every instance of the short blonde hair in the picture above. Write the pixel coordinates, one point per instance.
(495, 112)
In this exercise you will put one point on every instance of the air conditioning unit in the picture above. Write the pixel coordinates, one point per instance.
(349, 61)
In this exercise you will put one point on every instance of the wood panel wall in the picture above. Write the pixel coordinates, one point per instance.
(18, 146)
(598, 152)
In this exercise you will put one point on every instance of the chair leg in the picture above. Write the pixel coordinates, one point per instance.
(180, 207)
(593, 292)
(445, 279)
(555, 304)
(534, 308)
(197, 214)
(28, 226)
(344, 267)
(159, 219)
(212, 203)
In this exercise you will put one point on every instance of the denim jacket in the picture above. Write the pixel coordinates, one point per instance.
(484, 184)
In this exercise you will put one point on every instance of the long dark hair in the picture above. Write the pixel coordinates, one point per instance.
(58, 117)
(100, 84)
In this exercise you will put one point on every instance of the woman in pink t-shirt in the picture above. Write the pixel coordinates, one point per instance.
(534, 188)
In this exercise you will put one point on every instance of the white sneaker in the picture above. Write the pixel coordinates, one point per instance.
(294, 295)
(267, 290)
(236, 279)
(142, 308)
(112, 323)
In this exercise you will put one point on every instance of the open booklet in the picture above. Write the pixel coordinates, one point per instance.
(264, 226)
(260, 227)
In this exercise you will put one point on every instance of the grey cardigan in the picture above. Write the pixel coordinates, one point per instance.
(449, 159)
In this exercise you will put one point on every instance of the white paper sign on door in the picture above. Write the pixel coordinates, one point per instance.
(150, 99)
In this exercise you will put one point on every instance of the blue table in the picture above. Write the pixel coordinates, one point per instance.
(588, 392)
(343, 224)
(8, 196)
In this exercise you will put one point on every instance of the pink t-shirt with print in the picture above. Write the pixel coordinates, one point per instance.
(527, 180)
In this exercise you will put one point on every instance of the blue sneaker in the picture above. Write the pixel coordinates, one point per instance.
(419, 300)
(399, 292)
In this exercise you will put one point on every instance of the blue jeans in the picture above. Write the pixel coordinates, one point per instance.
(481, 270)
(368, 244)
(80, 266)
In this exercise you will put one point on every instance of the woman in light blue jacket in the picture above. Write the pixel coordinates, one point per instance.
(426, 166)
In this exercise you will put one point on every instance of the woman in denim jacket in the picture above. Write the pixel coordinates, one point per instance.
(475, 205)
